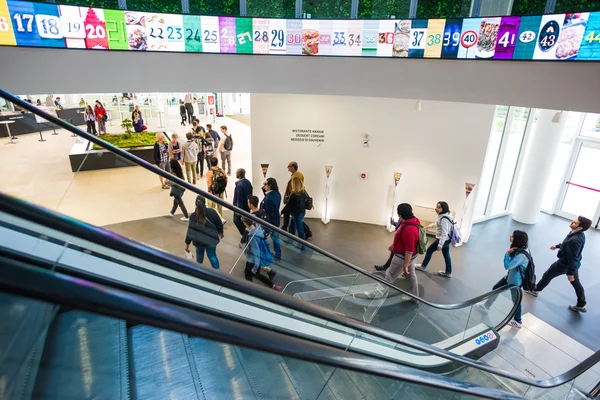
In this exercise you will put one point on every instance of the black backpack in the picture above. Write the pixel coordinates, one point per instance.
(219, 181)
(228, 144)
(529, 279)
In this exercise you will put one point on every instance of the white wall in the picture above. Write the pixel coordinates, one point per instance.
(558, 85)
(437, 149)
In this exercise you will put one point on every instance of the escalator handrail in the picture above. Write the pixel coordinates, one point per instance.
(70, 226)
(21, 279)
(154, 169)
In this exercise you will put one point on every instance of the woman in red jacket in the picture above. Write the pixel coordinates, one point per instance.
(101, 117)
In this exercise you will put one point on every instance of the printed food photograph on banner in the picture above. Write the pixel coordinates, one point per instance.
(547, 38)
(310, 42)
(488, 35)
(401, 38)
(571, 35)
(136, 30)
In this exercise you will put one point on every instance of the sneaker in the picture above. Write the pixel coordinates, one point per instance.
(277, 288)
(515, 324)
(483, 307)
(185, 219)
(420, 267)
(380, 267)
(272, 274)
(223, 221)
(534, 293)
(578, 309)
(171, 215)
(444, 274)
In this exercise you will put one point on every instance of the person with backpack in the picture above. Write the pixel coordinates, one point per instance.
(270, 207)
(243, 190)
(225, 150)
(516, 262)
(568, 263)
(443, 238)
(296, 208)
(216, 182)
(406, 245)
(177, 193)
(205, 231)
(258, 255)
(215, 136)
(201, 142)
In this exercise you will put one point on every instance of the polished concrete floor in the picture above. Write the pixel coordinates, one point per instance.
(476, 265)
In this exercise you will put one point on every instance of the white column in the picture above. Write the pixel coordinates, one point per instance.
(543, 147)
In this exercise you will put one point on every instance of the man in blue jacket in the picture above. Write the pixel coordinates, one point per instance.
(270, 206)
(569, 261)
(243, 190)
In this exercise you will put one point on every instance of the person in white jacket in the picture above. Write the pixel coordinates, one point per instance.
(442, 240)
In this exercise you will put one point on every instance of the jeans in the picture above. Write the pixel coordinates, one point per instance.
(178, 201)
(200, 164)
(502, 282)
(91, 127)
(296, 222)
(208, 158)
(286, 222)
(190, 169)
(276, 244)
(396, 268)
(190, 111)
(226, 156)
(249, 275)
(237, 221)
(183, 119)
(558, 269)
(211, 253)
(445, 252)
(101, 126)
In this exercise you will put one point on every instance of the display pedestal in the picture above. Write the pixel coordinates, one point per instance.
(83, 159)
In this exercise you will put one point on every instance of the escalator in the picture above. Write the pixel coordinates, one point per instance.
(391, 326)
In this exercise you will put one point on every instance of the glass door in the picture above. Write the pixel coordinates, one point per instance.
(581, 192)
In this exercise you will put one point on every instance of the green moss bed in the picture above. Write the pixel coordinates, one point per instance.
(134, 140)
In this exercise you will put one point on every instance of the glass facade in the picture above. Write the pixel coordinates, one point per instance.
(565, 6)
(169, 6)
(381, 9)
(327, 9)
(443, 8)
(528, 7)
(271, 8)
(214, 7)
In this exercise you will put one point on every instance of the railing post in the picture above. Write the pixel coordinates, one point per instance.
(185, 6)
(123, 4)
(242, 8)
(354, 9)
(412, 12)
(298, 8)
(550, 6)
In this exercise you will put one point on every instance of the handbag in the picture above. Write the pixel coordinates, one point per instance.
(177, 191)
(104, 117)
(308, 202)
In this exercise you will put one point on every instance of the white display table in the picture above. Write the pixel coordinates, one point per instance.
(7, 123)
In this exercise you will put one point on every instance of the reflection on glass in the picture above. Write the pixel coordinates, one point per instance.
(327, 9)
(495, 7)
(271, 8)
(443, 8)
(381, 9)
(510, 160)
(528, 7)
(159, 6)
(578, 200)
(591, 126)
(491, 158)
(565, 6)
(215, 7)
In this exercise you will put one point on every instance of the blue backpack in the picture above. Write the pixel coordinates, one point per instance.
(455, 235)
(265, 256)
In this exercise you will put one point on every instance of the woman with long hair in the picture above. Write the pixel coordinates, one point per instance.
(516, 261)
(161, 157)
(101, 117)
(90, 120)
(205, 230)
(296, 207)
(443, 238)
(177, 194)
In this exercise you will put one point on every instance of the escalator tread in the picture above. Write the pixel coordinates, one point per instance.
(83, 359)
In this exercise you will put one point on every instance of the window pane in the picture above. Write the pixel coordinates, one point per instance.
(591, 126)
(564, 6)
(563, 155)
(214, 7)
(528, 7)
(494, 8)
(327, 9)
(489, 164)
(159, 6)
(580, 201)
(510, 160)
(381, 9)
(271, 8)
(443, 8)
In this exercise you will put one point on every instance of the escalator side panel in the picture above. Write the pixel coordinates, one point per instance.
(82, 359)
(220, 370)
(161, 367)
(308, 379)
(341, 384)
(375, 388)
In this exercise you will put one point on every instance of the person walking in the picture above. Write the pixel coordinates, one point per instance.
(404, 248)
(296, 208)
(201, 142)
(568, 263)
(270, 207)
(174, 151)
(443, 238)
(190, 157)
(387, 264)
(215, 135)
(209, 150)
(90, 120)
(216, 182)
(225, 149)
(189, 107)
(205, 231)
(255, 255)
(161, 157)
(243, 190)
(182, 112)
(177, 194)
(138, 123)
(516, 261)
(101, 117)
(138, 111)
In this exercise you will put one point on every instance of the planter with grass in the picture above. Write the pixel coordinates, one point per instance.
(89, 157)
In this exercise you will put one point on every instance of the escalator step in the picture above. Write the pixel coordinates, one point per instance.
(161, 366)
(85, 357)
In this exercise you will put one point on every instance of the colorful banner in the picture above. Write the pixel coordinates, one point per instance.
(264, 168)
(572, 36)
